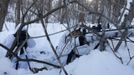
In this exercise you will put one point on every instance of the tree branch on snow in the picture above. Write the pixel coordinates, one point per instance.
(127, 21)
(130, 57)
(29, 60)
(7, 49)
(29, 22)
(121, 40)
(18, 32)
(120, 58)
(57, 57)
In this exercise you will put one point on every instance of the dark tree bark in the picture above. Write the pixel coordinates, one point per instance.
(3, 11)
(95, 8)
(117, 6)
(126, 23)
(17, 12)
(49, 6)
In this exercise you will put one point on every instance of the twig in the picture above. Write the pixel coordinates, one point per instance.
(120, 41)
(115, 53)
(6, 27)
(112, 44)
(30, 60)
(130, 57)
(7, 49)
(130, 40)
(57, 57)
(39, 61)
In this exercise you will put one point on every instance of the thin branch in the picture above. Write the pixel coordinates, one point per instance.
(130, 40)
(7, 49)
(57, 57)
(112, 43)
(124, 34)
(130, 57)
(18, 32)
(130, 60)
(39, 61)
(47, 14)
(24, 15)
(115, 53)
(6, 27)
(30, 60)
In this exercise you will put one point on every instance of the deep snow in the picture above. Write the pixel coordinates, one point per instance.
(94, 63)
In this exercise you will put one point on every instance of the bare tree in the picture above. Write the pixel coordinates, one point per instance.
(125, 24)
(117, 5)
(17, 12)
(48, 8)
(104, 9)
(3, 10)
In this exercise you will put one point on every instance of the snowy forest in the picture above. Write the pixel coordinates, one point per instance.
(66, 37)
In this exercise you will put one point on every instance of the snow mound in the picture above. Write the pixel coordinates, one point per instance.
(99, 63)
(6, 67)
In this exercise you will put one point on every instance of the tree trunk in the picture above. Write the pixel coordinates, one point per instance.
(3, 11)
(17, 12)
(95, 9)
(127, 21)
(117, 6)
(49, 3)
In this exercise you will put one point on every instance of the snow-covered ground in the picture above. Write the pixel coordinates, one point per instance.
(94, 63)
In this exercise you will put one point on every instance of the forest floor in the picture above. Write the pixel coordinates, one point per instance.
(94, 63)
